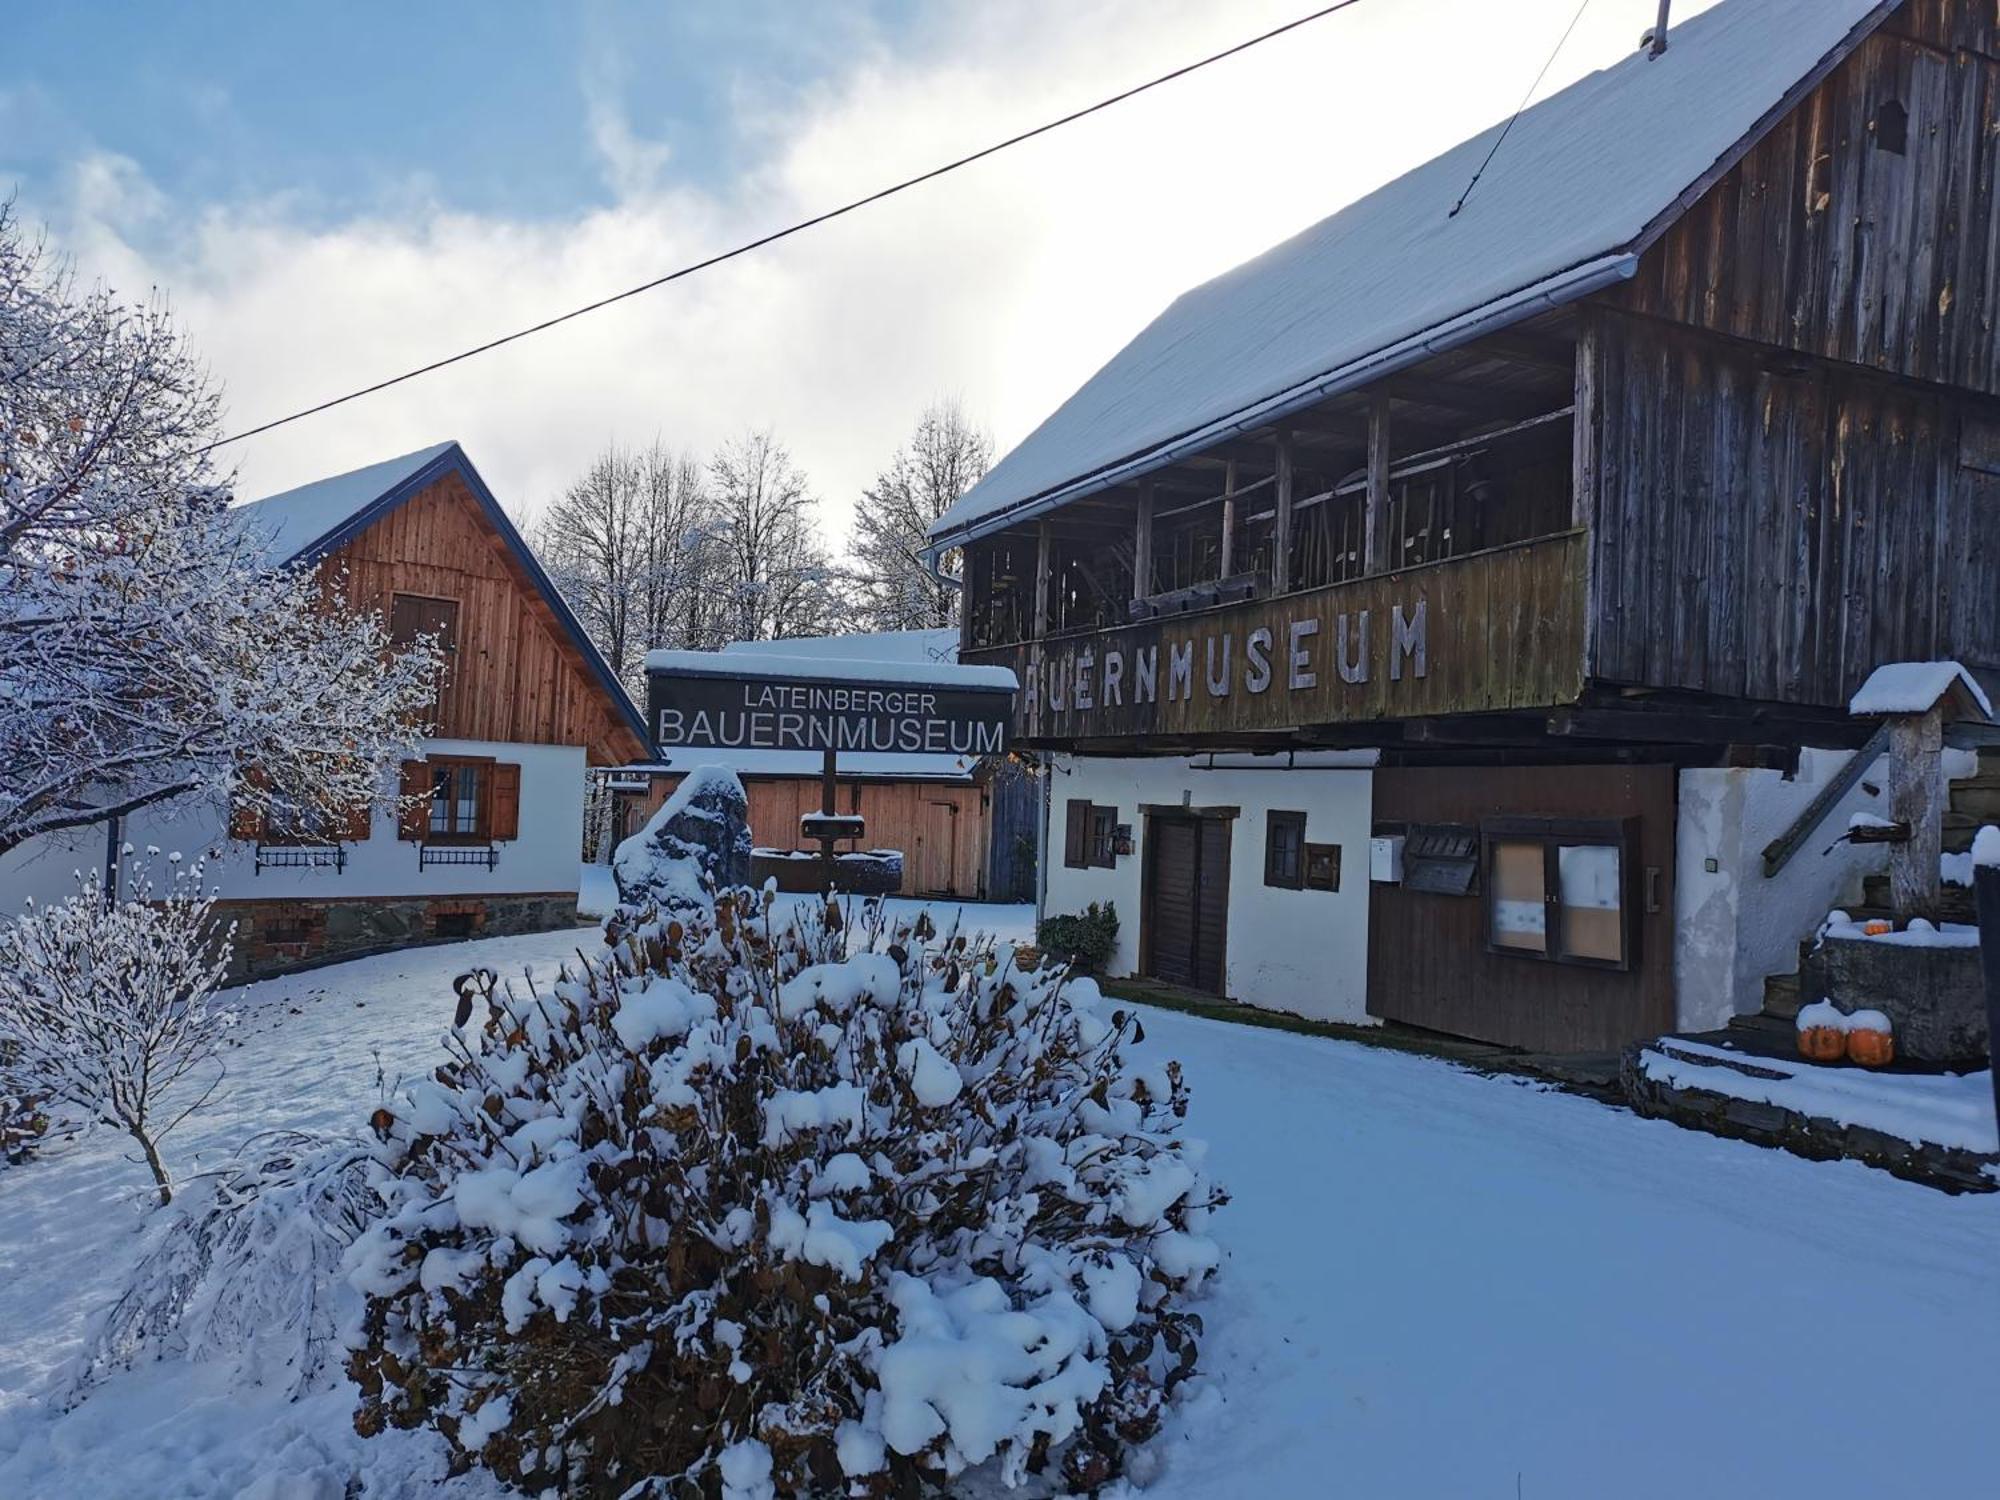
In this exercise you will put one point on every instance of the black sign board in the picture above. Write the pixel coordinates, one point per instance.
(713, 709)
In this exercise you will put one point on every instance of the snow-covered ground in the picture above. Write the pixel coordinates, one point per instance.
(1438, 1284)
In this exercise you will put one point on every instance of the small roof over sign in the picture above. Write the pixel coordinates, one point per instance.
(783, 668)
(1916, 687)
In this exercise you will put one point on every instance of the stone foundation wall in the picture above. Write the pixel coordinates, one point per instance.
(276, 937)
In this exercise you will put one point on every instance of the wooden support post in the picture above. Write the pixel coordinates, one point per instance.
(1228, 520)
(1042, 543)
(1375, 519)
(1281, 523)
(829, 789)
(1142, 544)
(1916, 799)
(1583, 428)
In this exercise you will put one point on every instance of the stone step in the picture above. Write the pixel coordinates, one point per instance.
(1781, 996)
(1980, 799)
(1777, 1032)
(1957, 904)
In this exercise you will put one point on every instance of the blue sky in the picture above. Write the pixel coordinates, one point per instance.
(328, 193)
(348, 107)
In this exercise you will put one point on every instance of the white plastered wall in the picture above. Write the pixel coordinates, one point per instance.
(544, 859)
(1734, 926)
(1305, 952)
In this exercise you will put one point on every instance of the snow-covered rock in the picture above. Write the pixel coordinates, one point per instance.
(698, 842)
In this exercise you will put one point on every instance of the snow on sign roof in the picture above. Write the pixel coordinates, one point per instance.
(1916, 687)
(1559, 213)
(292, 521)
(882, 645)
(787, 667)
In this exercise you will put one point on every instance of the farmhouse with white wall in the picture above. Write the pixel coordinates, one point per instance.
(482, 833)
(1571, 508)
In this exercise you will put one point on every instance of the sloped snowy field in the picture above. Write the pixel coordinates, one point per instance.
(1439, 1285)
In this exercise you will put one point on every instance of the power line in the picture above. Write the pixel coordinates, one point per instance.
(801, 225)
(1494, 150)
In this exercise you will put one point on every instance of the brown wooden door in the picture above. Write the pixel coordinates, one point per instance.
(937, 849)
(1186, 916)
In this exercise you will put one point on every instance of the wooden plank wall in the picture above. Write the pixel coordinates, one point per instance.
(516, 676)
(1821, 241)
(1428, 964)
(900, 815)
(1503, 629)
(1776, 534)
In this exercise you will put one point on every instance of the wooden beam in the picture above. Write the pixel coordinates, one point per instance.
(1375, 516)
(1778, 853)
(1142, 543)
(1583, 435)
(1917, 800)
(1281, 521)
(1228, 520)
(1042, 540)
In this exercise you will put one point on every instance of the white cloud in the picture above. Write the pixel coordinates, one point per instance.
(1006, 284)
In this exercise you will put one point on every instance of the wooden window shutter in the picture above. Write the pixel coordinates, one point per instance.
(246, 819)
(360, 819)
(1076, 834)
(413, 815)
(504, 816)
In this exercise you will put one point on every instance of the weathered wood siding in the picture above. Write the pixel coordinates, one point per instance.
(1500, 629)
(516, 675)
(1428, 963)
(1776, 536)
(942, 829)
(1823, 240)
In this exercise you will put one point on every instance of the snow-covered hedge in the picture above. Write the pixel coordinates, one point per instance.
(748, 1211)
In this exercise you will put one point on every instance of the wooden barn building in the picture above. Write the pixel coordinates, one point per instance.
(1436, 618)
(491, 818)
(966, 826)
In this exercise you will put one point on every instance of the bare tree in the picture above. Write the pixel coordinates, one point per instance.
(150, 650)
(108, 1009)
(778, 576)
(945, 457)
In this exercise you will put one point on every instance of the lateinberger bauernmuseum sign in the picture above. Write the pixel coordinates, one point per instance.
(725, 701)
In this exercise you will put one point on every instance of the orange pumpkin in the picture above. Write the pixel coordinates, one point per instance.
(1878, 927)
(1822, 1043)
(1871, 1048)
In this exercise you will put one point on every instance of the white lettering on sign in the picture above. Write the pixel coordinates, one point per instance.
(1104, 676)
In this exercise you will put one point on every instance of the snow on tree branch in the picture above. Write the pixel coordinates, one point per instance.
(149, 651)
(106, 1009)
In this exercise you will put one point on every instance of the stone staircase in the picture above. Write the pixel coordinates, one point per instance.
(1975, 801)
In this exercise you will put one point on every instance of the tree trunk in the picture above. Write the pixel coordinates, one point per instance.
(164, 1183)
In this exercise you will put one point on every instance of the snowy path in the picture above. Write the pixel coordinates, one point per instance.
(1438, 1282)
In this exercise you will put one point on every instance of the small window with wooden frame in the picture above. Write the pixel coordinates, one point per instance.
(1090, 836)
(413, 617)
(1285, 850)
(460, 799)
(1561, 890)
(272, 819)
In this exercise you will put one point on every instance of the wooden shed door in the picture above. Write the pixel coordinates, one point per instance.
(938, 849)
(1186, 914)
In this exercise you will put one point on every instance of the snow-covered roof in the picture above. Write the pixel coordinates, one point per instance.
(297, 523)
(1583, 178)
(302, 525)
(881, 645)
(1916, 687)
(828, 668)
(866, 764)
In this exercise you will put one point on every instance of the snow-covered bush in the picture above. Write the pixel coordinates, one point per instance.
(107, 1008)
(243, 1268)
(740, 1209)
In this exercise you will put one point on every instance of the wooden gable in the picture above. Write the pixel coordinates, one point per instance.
(514, 674)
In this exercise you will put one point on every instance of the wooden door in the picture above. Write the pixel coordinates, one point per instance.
(1186, 906)
(937, 850)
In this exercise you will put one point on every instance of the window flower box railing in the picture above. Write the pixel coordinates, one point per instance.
(472, 855)
(301, 857)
